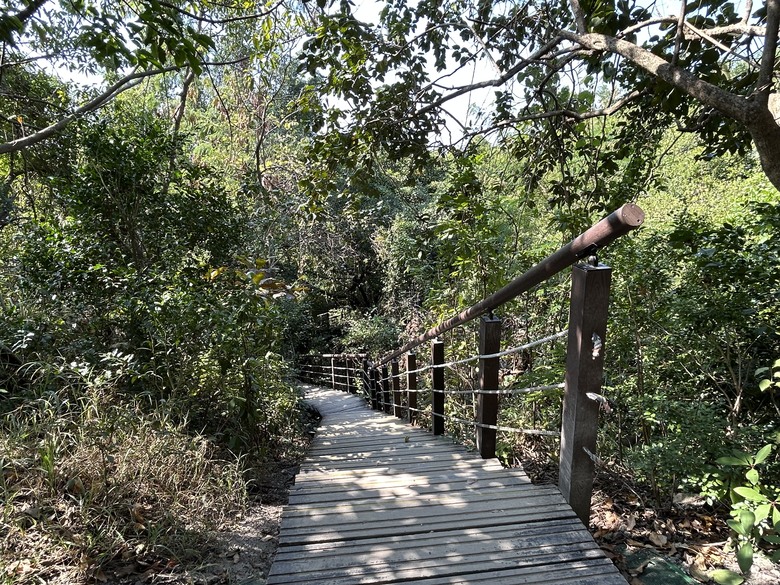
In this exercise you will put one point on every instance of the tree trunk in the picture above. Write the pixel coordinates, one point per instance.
(764, 129)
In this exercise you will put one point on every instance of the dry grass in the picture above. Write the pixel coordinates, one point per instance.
(100, 489)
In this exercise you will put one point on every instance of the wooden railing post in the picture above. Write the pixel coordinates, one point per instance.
(365, 380)
(333, 372)
(374, 388)
(584, 372)
(437, 387)
(396, 389)
(386, 390)
(487, 404)
(411, 386)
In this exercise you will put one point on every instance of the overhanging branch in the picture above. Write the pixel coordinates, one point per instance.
(734, 106)
(95, 103)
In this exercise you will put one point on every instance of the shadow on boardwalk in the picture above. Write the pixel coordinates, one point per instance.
(379, 501)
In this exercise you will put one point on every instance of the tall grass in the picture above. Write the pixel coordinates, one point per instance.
(95, 486)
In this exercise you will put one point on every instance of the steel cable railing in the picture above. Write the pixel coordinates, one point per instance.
(586, 332)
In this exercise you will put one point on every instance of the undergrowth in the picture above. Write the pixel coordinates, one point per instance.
(101, 483)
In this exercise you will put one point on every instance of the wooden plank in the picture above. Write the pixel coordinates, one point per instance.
(390, 570)
(591, 571)
(399, 487)
(358, 530)
(432, 498)
(469, 537)
(413, 509)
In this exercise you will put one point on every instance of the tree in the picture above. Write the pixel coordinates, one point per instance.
(124, 42)
(557, 65)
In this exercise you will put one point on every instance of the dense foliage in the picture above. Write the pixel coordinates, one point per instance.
(172, 242)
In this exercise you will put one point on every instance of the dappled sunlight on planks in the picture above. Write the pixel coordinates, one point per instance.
(378, 501)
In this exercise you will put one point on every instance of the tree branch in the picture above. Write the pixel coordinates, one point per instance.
(501, 80)
(732, 30)
(95, 103)
(22, 16)
(704, 35)
(221, 20)
(564, 113)
(766, 74)
(680, 32)
(579, 16)
(731, 105)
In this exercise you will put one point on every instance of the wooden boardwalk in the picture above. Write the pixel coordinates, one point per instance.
(379, 501)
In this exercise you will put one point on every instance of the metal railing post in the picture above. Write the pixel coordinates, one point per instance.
(584, 371)
(487, 404)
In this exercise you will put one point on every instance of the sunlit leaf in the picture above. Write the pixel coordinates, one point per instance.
(763, 454)
(750, 494)
(726, 577)
(745, 557)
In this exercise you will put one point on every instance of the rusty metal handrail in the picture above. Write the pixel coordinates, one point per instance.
(616, 224)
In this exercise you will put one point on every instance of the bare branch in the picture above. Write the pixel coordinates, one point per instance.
(736, 30)
(645, 23)
(562, 113)
(701, 34)
(499, 81)
(680, 32)
(579, 16)
(766, 74)
(95, 103)
(748, 11)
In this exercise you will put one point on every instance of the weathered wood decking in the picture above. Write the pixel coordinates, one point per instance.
(379, 501)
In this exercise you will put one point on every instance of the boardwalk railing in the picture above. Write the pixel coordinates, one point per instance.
(381, 381)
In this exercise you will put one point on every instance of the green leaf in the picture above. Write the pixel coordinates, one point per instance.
(750, 494)
(752, 476)
(764, 384)
(732, 461)
(763, 454)
(762, 512)
(726, 577)
(775, 517)
(747, 519)
(745, 557)
(736, 527)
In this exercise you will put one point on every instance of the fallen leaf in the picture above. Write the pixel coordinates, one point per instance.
(125, 570)
(639, 569)
(699, 574)
(657, 539)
